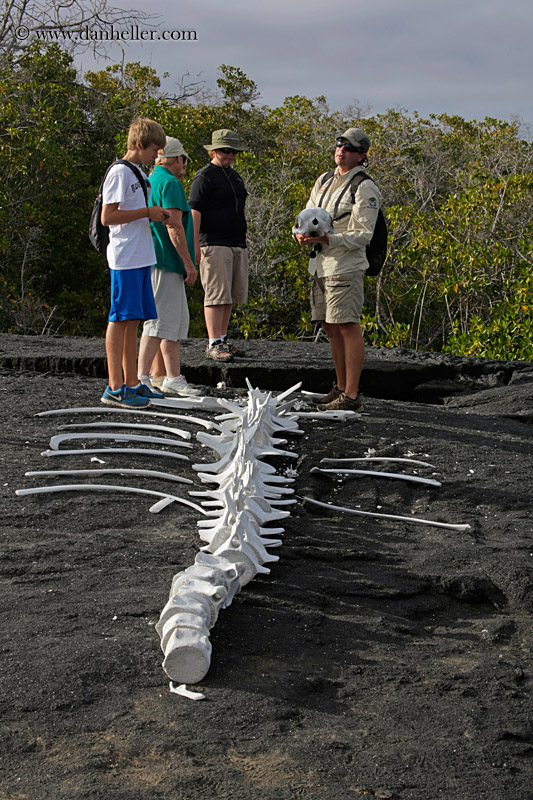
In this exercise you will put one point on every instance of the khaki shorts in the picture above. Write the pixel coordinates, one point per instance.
(172, 321)
(224, 275)
(338, 298)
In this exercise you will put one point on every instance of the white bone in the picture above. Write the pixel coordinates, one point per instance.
(182, 620)
(97, 487)
(160, 505)
(377, 458)
(136, 426)
(334, 416)
(106, 410)
(244, 555)
(221, 443)
(416, 520)
(184, 582)
(55, 441)
(374, 474)
(288, 392)
(313, 222)
(205, 403)
(145, 473)
(112, 450)
(184, 692)
(231, 573)
(179, 603)
(258, 507)
(187, 656)
(247, 530)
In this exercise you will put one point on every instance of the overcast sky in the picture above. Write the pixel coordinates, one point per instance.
(466, 57)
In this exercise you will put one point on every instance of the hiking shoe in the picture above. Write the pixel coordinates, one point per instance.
(125, 397)
(343, 403)
(333, 393)
(218, 352)
(145, 389)
(178, 387)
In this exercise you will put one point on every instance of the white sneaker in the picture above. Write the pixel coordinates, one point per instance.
(157, 382)
(179, 387)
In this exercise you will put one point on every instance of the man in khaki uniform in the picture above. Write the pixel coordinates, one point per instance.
(338, 271)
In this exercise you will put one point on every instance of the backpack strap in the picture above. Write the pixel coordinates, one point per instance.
(134, 169)
(352, 184)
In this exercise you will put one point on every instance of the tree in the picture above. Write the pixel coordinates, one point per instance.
(52, 20)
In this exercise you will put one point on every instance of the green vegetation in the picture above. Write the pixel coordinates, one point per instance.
(459, 198)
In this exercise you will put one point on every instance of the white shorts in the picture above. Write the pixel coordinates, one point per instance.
(172, 321)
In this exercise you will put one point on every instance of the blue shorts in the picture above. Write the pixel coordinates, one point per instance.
(131, 294)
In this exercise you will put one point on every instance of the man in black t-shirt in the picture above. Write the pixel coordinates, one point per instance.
(217, 199)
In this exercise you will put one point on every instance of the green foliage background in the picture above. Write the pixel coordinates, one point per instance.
(458, 195)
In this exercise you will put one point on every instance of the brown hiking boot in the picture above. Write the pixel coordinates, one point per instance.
(343, 403)
(333, 393)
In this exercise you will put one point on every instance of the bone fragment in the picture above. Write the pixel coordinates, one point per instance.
(184, 692)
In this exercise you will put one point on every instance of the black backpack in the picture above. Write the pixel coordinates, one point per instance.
(98, 233)
(376, 250)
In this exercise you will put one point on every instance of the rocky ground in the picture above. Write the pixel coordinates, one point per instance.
(378, 659)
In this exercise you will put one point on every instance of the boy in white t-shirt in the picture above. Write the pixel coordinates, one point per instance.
(130, 256)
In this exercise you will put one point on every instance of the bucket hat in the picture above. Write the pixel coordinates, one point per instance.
(224, 138)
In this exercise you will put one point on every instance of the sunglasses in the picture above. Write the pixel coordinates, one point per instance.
(347, 146)
(227, 150)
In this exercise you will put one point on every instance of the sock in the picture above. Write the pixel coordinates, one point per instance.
(214, 341)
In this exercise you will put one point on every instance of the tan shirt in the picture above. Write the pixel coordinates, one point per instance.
(346, 249)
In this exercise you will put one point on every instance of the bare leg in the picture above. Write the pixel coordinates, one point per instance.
(171, 357)
(348, 351)
(129, 354)
(337, 351)
(147, 351)
(121, 351)
(114, 345)
(217, 320)
(354, 349)
(158, 369)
